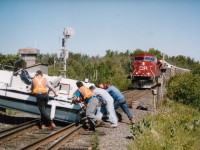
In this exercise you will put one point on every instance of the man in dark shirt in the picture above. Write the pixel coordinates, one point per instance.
(119, 100)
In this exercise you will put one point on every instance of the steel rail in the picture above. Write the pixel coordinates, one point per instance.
(14, 131)
(133, 98)
(40, 142)
(18, 126)
(64, 139)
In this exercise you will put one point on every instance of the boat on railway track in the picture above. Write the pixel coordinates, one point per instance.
(15, 94)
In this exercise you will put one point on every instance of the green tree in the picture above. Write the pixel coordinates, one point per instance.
(155, 52)
(185, 89)
(137, 51)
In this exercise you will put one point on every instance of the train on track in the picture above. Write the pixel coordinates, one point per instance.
(147, 70)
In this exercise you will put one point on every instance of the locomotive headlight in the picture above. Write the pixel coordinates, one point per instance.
(143, 63)
(148, 73)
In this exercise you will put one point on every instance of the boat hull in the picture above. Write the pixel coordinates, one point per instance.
(57, 109)
(16, 94)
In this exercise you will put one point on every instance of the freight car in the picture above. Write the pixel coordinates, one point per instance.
(172, 70)
(147, 70)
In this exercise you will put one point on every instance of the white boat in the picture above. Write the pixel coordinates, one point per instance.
(15, 94)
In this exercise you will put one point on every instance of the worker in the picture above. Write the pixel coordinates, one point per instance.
(40, 86)
(119, 101)
(108, 107)
(87, 96)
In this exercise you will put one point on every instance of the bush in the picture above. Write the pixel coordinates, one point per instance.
(185, 89)
(175, 126)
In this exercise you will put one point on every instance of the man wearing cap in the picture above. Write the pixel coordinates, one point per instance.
(39, 88)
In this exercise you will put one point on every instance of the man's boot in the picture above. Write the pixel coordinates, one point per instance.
(92, 125)
(52, 125)
(132, 121)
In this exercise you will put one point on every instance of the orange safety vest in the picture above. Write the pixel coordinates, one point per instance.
(39, 85)
(86, 92)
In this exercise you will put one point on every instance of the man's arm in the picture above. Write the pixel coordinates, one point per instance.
(31, 89)
(77, 97)
(51, 88)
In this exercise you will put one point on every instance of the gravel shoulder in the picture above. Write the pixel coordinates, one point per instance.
(121, 138)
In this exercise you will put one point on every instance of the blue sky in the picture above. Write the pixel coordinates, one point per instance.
(171, 26)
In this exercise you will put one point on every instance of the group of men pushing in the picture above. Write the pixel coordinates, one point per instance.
(94, 112)
(91, 96)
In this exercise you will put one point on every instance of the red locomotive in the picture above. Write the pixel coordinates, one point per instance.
(145, 71)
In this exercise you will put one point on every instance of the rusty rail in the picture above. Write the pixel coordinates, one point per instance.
(67, 131)
(14, 131)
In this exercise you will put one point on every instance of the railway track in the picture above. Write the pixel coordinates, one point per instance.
(56, 139)
(133, 95)
(10, 133)
(27, 136)
(30, 137)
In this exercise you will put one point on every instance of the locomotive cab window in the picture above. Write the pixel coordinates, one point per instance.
(152, 59)
(139, 58)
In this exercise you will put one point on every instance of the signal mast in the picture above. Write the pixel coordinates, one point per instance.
(64, 53)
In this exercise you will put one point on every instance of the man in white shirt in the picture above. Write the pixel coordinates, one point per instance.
(109, 107)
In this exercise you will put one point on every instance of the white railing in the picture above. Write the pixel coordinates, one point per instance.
(6, 86)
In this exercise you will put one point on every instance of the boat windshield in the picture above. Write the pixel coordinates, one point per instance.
(64, 89)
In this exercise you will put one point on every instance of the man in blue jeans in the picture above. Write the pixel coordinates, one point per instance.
(119, 100)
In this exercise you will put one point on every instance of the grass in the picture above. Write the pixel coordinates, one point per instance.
(94, 141)
(174, 127)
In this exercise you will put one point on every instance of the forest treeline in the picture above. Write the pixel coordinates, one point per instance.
(116, 66)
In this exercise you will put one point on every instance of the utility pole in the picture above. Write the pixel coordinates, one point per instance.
(64, 53)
